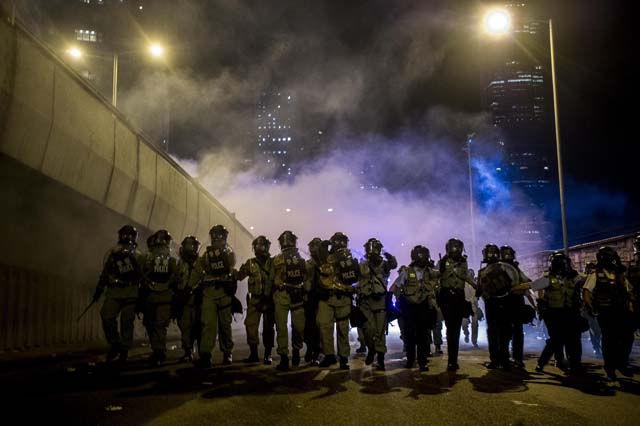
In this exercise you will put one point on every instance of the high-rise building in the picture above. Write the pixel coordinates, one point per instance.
(518, 95)
(276, 140)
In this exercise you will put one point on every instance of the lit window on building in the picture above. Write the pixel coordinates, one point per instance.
(88, 35)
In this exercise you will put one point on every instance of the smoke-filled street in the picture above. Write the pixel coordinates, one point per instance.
(69, 391)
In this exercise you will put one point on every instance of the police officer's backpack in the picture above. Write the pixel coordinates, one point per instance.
(218, 261)
(348, 269)
(294, 266)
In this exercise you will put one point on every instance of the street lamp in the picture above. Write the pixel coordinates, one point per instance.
(471, 209)
(498, 22)
(156, 50)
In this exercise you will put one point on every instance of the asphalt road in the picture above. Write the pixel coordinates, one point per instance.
(74, 390)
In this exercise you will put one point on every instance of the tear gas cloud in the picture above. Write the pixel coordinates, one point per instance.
(427, 202)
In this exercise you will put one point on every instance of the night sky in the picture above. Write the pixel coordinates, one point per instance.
(378, 67)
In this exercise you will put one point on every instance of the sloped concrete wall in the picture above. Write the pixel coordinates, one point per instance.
(73, 170)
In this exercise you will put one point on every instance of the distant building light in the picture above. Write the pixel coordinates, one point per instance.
(499, 169)
(329, 210)
(546, 167)
(288, 210)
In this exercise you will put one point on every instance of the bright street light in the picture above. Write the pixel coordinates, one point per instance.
(156, 50)
(497, 22)
(75, 52)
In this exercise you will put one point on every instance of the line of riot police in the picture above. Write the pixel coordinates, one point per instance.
(324, 294)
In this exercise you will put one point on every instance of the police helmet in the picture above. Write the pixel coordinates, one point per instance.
(507, 254)
(490, 253)
(261, 245)
(218, 232)
(314, 243)
(160, 238)
(189, 247)
(560, 263)
(287, 239)
(339, 240)
(373, 246)
(589, 268)
(128, 234)
(454, 247)
(606, 256)
(190, 243)
(420, 254)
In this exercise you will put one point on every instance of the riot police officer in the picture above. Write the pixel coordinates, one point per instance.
(608, 294)
(454, 273)
(290, 270)
(214, 273)
(559, 302)
(159, 271)
(337, 276)
(595, 335)
(516, 301)
(414, 290)
(184, 302)
(494, 285)
(121, 278)
(372, 293)
(633, 274)
(317, 251)
(260, 271)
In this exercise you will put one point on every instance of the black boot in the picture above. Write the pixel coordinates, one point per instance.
(328, 361)
(295, 358)
(204, 361)
(113, 353)
(362, 349)
(156, 358)
(267, 356)
(284, 363)
(380, 364)
(253, 355)
(344, 363)
(369, 359)
(308, 355)
(227, 359)
(188, 356)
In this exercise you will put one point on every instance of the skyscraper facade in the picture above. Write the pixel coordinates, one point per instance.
(275, 136)
(518, 95)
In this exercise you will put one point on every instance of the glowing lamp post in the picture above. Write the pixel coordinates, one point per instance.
(156, 50)
(498, 22)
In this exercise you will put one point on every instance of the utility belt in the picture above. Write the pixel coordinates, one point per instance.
(121, 284)
(292, 288)
(217, 283)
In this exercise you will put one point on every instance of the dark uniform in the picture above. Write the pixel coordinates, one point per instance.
(454, 273)
(214, 275)
(608, 295)
(259, 300)
(633, 273)
(516, 300)
(312, 282)
(290, 269)
(372, 298)
(121, 278)
(185, 299)
(337, 276)
(414, 289)
(160, 277)
(494, 285)
(559, 302)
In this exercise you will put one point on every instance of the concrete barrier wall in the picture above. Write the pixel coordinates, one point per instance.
(535, 265)
(74, 170)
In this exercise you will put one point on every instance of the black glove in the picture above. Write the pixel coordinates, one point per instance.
(97, 294)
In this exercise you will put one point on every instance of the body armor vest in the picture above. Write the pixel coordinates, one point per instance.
(453, 273)
(495, 280)
(347, 268)
(257, 277)
(294, 267)
(416, 290)
(374, 284)
(218, 263)
(606, 291)
(123, 267)
(561, 293)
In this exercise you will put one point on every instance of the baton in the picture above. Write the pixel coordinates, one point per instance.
(93, 302)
